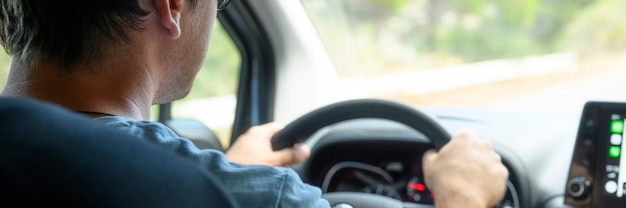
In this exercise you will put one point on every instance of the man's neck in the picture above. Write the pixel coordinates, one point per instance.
(107, 89)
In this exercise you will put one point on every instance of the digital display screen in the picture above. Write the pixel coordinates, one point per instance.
(609, 188)
(597, 176)
(614, 178)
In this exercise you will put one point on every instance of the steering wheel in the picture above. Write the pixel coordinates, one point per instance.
(302, 128)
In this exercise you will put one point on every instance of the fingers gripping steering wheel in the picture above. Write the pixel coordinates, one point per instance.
(303, 127)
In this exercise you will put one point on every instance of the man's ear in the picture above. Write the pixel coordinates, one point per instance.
(169, 13)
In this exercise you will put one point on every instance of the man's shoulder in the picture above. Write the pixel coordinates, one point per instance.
(165, 137)
(150, 130)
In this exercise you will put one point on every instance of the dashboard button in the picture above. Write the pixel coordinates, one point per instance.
(610, 187)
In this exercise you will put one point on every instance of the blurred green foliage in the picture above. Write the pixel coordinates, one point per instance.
(495, 29)
(601, 28)
(512, 29)
(5, 64)
(220, 72)
(380, 31)
(392, 5)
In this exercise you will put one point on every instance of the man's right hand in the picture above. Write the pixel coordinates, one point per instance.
(255, 147)
(466, 172)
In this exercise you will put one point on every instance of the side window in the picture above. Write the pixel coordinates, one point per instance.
(212, 99)
(5, 64)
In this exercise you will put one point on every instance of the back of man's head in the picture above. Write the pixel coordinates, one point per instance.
(68, 31)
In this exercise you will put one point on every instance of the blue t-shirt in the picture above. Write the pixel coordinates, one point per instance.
(251, 185)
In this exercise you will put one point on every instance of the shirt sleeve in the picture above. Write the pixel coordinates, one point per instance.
(295, 193)
(251, 185)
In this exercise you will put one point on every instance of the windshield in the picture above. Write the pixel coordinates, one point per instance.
(531, 55)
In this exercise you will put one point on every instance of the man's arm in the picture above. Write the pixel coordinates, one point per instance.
(465, 173)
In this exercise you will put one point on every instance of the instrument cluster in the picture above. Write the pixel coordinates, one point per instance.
(398, 180)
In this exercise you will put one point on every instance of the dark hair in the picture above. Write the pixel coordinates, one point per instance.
(68, 30)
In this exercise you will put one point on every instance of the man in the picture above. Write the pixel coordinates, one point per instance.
(113, 59)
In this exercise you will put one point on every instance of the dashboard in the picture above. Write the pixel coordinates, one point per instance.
(395, 172)
(385, 158)
(391, 169)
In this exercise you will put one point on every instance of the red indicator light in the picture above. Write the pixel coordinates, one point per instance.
(417, 186)
(432, 195)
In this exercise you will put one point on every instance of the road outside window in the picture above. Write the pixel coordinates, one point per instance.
(531, 55)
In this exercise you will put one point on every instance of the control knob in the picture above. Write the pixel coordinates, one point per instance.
(578, 187)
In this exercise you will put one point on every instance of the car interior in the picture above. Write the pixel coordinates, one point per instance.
(367, 136)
